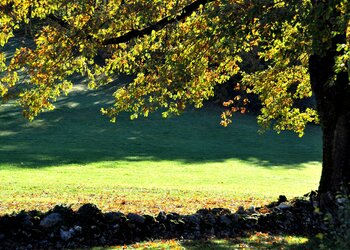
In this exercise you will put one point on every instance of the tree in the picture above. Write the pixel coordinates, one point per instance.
(179, 50)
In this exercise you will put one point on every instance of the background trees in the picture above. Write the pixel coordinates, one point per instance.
(180, 50)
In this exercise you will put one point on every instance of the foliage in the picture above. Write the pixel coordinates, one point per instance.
(178, 51)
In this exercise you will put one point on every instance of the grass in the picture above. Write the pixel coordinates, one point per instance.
(73, 155)
(256, 241)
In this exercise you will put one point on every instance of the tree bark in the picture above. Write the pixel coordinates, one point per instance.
(333, 105)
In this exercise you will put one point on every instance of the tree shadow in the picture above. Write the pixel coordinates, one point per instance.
(76, 132)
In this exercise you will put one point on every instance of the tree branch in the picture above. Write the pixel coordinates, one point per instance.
(185, 12)
(61, 22)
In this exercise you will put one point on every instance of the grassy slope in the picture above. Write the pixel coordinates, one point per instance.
(74, 155)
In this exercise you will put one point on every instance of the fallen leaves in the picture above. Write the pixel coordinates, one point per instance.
(111, 201)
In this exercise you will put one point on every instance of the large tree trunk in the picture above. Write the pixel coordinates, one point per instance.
(333, 105)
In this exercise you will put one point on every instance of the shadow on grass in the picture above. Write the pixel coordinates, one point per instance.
(76, 132)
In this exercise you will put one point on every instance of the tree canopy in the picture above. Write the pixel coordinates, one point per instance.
(179, 50)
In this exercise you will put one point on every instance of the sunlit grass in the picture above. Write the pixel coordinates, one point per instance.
(152, 186)
(74, 156)
(256, 241)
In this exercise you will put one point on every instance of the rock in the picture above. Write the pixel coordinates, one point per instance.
(89, 211)
(44, 244)
(161, 216)
(250, 222)
(114, 217)
(251, 210)
(282, 198)
(149, 219)
(220, 211)
(193, 222)
(209, 220)
(172, 216)
(211, 232)
(225, 234)
(103, 241)
(203, 211)
(136, 218)
(225, 220)
(27, 222)
(36, 233)
(235, 217)
(59, 245)
(240, 210)
(68, 234)
(341, 200)
(63, 210)
(56, 229)
(284, 205)
(51, 220)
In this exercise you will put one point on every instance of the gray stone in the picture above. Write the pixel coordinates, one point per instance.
(284, 205)
(113, 217)
(225, 220)
(27, 223)
(51, 220)
(282, 198)
(44, 244)
(210, 219)
(161, 216)
(193, 222)
(220, 211)
(341, 200)
(68, 234)
(240, 210)
(235, 217)
(136, 218)
(103, 240)
(251, 210)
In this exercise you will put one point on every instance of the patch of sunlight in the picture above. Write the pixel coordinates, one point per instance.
(7, 133)
(312, 164)
(134, 158)
(78, 88)
(35, 123)
(267, 239)
(132, 138)
(256, 161)
(72, 104)
(294, 240)
(8, 147)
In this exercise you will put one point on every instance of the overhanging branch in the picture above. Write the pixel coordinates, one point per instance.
(185, 12)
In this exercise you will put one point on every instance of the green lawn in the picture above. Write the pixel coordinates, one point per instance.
(74, 155)
(256, 241)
